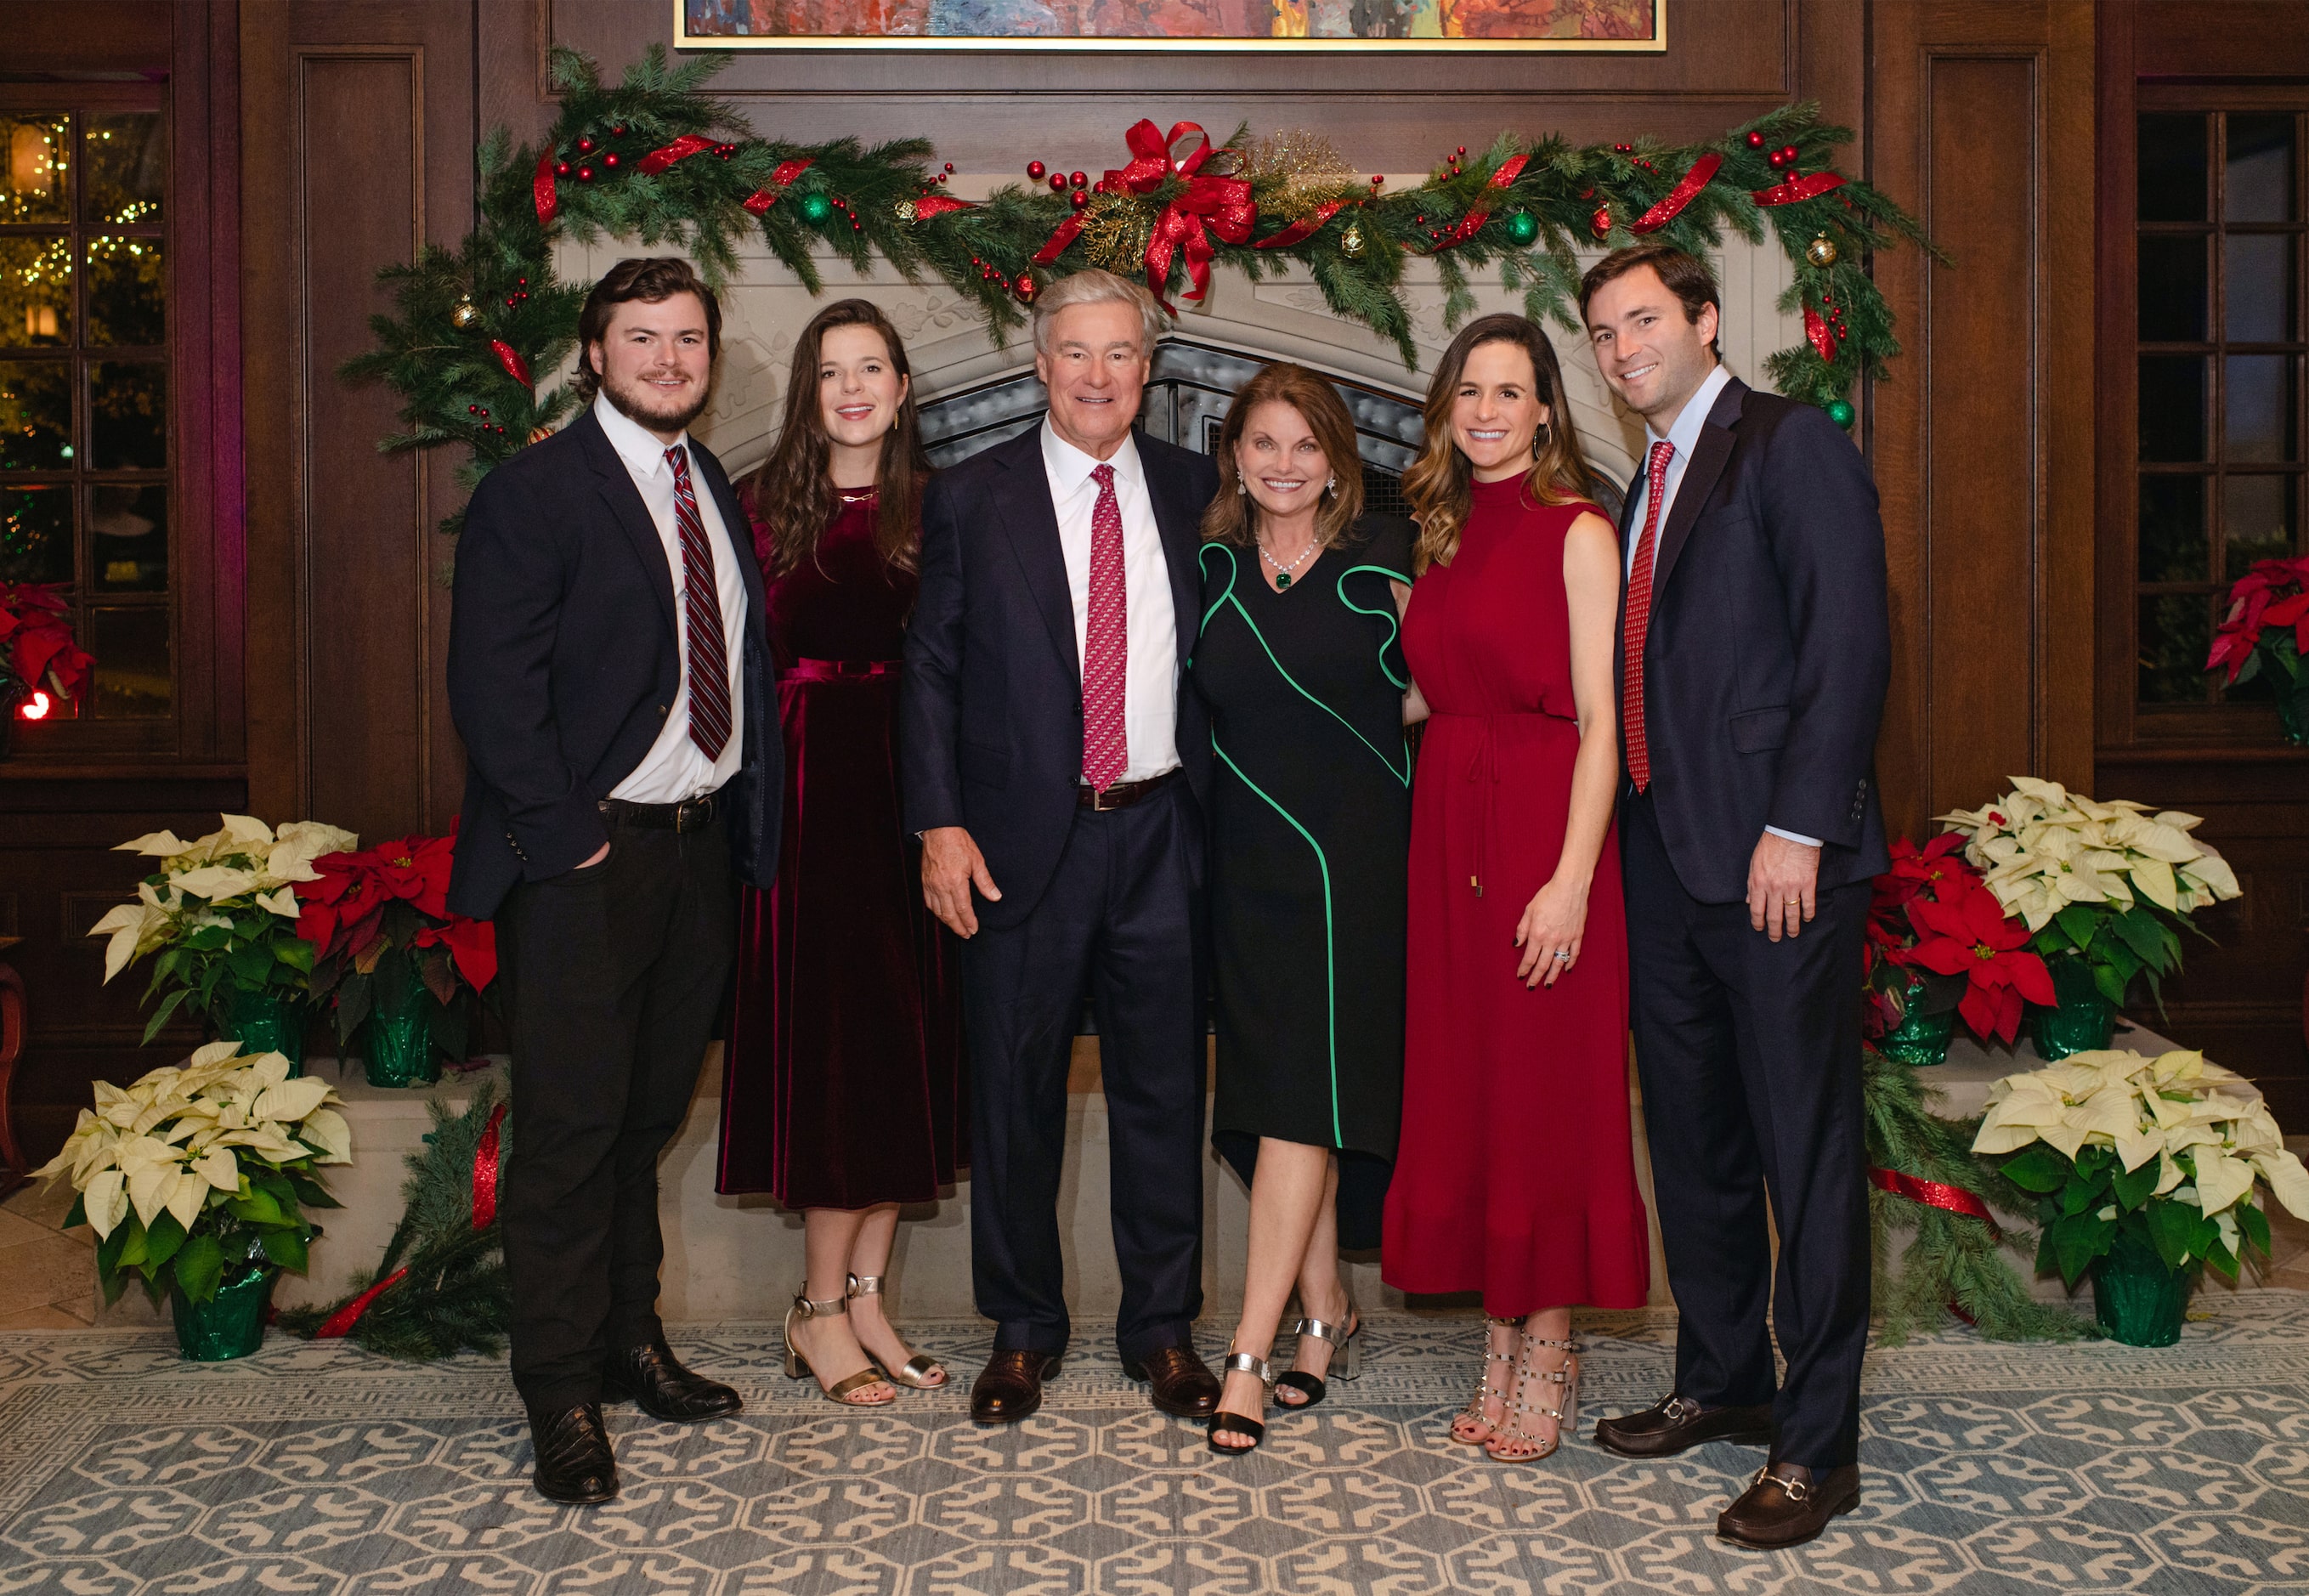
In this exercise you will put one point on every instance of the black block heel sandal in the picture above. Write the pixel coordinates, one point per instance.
(1223, 1423)
(1346, 1357)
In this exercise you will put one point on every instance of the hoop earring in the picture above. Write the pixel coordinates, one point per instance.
(1539, 437)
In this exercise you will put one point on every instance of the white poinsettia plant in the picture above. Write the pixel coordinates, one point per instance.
(2108, 884)
(2167, 1150)
(200, 1173)
(221, 912)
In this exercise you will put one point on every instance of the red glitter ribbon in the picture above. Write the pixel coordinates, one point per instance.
(1211, 205)
(681, 149)
(510, 359)
(1816, 330)
(938, 204)
(1810, 186)
(1304, 229)
(1933, 1194)
(1480, 212)
(542, 192)
(1687, 190)
(762, 199)
(1056, 244)
(340, 1324)
(485, 1172)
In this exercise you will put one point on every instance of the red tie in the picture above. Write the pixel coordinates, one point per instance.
(701, 608)
(1639, 619)
(1106, 749)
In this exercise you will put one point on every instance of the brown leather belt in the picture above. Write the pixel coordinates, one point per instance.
(1122, 794)
(692, 814)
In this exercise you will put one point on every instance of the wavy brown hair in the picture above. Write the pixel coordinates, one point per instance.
(1233, 517)
(1440, 483)
(792, 491)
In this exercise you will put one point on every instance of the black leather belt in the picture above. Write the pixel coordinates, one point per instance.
(691, 814)
(1122, 794)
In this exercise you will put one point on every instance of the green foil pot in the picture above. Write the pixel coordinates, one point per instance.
(397, 1047)
(2136, 1299)
(264, 1022)
(1919, 1039)
(231, 1324)
(2082, 1021)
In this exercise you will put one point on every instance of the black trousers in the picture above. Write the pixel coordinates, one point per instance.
(1122, 912)
(1749, 1052)
(613, 975)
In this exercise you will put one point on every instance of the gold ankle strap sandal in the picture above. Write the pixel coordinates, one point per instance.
(1512, 1432)
(797, 1366)
(920, 1371)
(1484, 1389)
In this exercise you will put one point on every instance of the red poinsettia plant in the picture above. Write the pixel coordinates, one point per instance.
(1965, 933)
(380, 924)
(2266, 633)
(1898, 988)
(37, 651)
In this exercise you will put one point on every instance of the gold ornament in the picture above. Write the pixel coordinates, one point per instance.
(1350, 241)
(1821, 252)
(1115, 233)
(906, 210)
(466, 315)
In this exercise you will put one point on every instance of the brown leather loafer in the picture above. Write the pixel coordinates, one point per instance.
(1182, 1382)
(1787, 1506)
(1010, 1386)
(1677, 1424)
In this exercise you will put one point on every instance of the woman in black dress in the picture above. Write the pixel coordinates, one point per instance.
(1311, 820)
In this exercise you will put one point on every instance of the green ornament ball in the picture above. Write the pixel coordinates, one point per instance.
(817, 207)
(1840, 411)
(1523, 227)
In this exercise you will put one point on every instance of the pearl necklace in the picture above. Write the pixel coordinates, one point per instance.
(1282, 572)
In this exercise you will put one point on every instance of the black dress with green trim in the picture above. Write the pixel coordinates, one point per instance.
(1310, 839)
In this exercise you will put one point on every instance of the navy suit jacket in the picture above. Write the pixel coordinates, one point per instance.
(564, 660)
(990, 720)
(1769, 646)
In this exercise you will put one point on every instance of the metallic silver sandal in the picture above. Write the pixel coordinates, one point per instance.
(1485, 1391)
(916, 1371)
(1512, 1431)
(1346, 1357)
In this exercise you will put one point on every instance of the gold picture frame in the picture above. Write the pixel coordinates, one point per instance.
(685, 13)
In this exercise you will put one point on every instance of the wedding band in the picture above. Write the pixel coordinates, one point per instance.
(1562, 956)
(1792, 902)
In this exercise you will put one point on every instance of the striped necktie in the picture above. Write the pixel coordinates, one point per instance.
(1637, 751)
(701, 609)
(1106, 643)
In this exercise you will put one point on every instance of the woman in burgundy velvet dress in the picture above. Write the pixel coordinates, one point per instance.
(1515, 1175)
(842, 1081)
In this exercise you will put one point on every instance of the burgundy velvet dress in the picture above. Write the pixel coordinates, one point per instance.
(1515, 1175)
(841, 1082)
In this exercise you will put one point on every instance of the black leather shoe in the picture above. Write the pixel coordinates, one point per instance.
(1010, 1386)
(573, 1461)
(655, 1378)
(1789, 1505)
(1183, 1384)
(1677, 1424)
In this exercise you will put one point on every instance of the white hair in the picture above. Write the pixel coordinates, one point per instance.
(1091, 286)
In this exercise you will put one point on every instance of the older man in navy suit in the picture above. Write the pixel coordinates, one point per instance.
(1055, 771)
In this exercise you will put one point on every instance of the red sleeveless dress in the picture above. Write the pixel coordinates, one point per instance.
(1515, 1174)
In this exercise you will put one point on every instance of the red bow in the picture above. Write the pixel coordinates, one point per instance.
(1211, 205)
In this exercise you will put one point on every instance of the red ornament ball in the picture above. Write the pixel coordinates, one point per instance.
(1755, 141)
(1461, 150)
(1077, 180)
(611, 159)
(1036, 169)
(617, 132)
(1790, 154)
(585, 174)
(1776, 160)
(561, 168)
(1078, 199)
(482, 411)
(1026, 287)
(584, 146)
(472, 410)
(1058, 182)
(949, 165)
(1600, 224)
(1377, 180)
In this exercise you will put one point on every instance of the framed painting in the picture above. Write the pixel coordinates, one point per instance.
(1576, 25)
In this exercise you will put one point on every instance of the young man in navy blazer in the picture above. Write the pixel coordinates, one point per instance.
(1754, 654)
(610, 676)
(1055, 767)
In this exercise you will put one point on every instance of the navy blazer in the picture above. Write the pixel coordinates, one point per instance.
(990, 721)
(564, 660)
(1769, 646)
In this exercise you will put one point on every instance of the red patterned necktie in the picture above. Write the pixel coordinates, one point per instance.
(1106, 748)
(701, 608)
(1639, 618)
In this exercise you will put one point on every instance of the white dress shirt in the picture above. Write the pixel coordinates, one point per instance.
(676, 769)
(1683, 437)
(1150, 699)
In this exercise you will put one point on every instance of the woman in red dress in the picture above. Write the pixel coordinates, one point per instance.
(841, 1080)
(1515, 1177)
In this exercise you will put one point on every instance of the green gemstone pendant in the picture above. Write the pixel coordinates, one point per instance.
(1282, 580)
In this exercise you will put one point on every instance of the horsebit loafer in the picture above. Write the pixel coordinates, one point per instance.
(1010, 1386)
(652, 1378)
(1677, 1424)
(1181, 1382)
(573, 1461)
(1789, 1504)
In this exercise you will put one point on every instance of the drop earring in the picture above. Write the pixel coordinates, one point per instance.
(1331, 488)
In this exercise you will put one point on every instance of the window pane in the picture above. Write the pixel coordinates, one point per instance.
(36, 293)
(2172, 168)
(35, 416)
(2259, 184)
(2172, 407)
(128, 537)
(36, 541)
(2258, 283)
(2176, 633)
(127, 168)
(133, 675)
(2259, 392)
(2259, 512)
(2173, 529)
(2173, 289)
(127, 292)
(127, 415)
(33, 185)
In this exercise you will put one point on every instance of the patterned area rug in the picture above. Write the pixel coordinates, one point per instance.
(319, 1469)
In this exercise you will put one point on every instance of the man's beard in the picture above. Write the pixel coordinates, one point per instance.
(643, 404)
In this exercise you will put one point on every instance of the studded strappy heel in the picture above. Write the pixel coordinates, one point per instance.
(1223, 1423)
(1484, 1391)
(1346, 1357)
(1512, 1432)
(797, 1366)
(916, 1371)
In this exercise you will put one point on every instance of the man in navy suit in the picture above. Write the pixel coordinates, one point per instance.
(1754, 654)
(1055, 770)
(610, 675)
